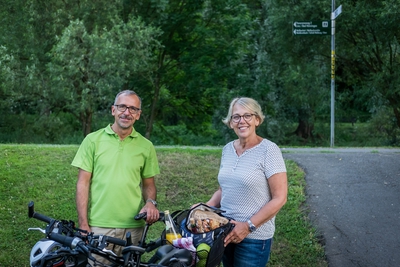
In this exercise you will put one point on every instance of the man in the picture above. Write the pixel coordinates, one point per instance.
(117, 166)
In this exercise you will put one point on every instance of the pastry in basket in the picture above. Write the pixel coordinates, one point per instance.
(207, 221)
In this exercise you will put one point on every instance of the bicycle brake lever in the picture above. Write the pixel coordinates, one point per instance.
(37, 229)
(109, 252)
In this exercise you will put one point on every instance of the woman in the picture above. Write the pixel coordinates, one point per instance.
(253, 187)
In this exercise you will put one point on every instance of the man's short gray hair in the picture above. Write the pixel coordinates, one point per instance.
(127, 92)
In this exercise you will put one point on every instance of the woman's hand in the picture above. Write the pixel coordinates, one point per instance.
(238, 233)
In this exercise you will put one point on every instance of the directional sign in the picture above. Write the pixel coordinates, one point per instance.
(337, 12)
(312, 27)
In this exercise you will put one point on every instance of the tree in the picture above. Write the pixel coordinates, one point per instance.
(75, 56)
(202, 49)
(87, 70)
(8, 78)
(71, 57)
(370, 43)
(299, 68)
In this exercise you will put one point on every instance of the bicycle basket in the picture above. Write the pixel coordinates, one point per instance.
(205, 225)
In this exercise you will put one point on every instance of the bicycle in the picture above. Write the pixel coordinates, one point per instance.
(66, 246)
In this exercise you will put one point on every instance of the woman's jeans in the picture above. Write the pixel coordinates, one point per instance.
(248, 253)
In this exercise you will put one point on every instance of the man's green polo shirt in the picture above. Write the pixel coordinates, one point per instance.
(117, 168)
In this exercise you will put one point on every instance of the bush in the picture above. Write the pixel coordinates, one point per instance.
(383, 127)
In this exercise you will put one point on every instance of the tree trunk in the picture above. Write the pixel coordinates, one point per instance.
(304, 129)
(396, 110)
(149, 127)
(86, 121)
(397, 114)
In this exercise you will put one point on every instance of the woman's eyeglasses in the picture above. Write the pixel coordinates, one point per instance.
(247, 117)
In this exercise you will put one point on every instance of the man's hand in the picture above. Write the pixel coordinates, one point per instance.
(152, 212)
(85, 227)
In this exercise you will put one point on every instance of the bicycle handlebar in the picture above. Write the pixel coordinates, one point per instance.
(71, 242)
(143, 216)
(116, 241)
(110, 239)
(38, 216)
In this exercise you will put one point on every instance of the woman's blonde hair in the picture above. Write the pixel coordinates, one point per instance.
(249, 104)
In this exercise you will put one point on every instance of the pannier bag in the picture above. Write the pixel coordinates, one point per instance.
(205, 225)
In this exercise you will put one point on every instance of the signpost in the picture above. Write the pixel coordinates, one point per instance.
(312, 27)
(323, 28)
(334, 15)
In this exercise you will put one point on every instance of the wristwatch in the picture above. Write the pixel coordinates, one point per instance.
(252, 227)
(152, 201)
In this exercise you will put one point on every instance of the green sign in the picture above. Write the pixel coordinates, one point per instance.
(312, 27)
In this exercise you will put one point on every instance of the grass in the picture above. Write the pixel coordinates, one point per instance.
(43, 174)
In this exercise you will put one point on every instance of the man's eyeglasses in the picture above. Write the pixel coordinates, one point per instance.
(132, 109)
(247, 117)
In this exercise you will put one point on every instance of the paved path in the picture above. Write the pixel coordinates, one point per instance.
(353, 197)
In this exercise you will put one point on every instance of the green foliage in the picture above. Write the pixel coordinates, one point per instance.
(8, 77)
(203, 51)
(58, 130)
(370, 57)
(300, 78)
(179, 134)
(383, 126)
(43, 174)
(188, 59)
(88, 70)
(82, 56)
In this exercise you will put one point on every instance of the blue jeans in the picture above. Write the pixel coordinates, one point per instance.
(248, 253)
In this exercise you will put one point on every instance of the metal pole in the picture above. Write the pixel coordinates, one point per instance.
(333, 55)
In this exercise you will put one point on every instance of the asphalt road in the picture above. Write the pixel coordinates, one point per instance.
(353, 196)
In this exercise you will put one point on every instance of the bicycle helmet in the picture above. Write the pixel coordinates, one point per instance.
(42, 248)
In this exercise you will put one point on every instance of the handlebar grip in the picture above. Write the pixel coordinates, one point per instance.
(68, 241)
(38, 216)
(141, 216)
(71, 242)
(116, 241)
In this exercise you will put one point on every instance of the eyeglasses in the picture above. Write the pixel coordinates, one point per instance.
(247, 117)
(132, 109)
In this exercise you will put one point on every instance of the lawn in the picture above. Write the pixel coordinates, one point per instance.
(43, 174)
